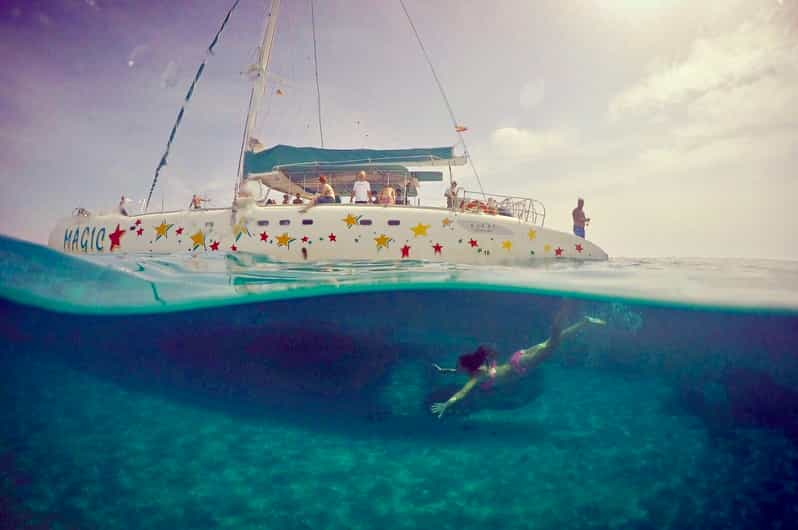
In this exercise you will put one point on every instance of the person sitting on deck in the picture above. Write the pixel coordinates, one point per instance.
(286, 199)
(326, 193)
(298, 199)
(481, 367)
(387, 195)
(196, 202)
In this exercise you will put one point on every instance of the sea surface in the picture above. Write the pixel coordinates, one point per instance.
(183, 392)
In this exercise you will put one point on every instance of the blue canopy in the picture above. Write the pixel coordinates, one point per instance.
(281, 156)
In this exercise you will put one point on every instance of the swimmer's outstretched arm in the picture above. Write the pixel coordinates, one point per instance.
(440, 408)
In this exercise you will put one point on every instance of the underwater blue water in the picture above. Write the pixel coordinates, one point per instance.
(173, 392)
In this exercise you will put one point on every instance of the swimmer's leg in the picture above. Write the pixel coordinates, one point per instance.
(570, 330)
(444, 370)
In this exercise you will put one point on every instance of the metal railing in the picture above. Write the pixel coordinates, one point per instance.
(523, 208)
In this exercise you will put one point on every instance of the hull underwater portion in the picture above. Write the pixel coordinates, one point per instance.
(334, 232)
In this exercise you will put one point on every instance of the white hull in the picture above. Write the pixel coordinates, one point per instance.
(336, 232)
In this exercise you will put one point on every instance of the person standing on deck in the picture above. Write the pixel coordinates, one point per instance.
(122, 209)
(361, 189)
(451, 195)
(579, 218)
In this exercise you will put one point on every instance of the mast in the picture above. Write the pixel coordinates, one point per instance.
(259, 86)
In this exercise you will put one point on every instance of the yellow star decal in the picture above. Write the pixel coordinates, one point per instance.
(532, 234)
(419, 230)
(162, 230)
(284, 240)
(507, 245)
(446, 222)
(198, 239)
(546, 248)
(382, 241)
(241, 228)
(350, 220)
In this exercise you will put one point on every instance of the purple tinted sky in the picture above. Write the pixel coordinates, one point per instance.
(677, 122)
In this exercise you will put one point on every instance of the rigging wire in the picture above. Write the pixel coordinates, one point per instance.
(316, 66)
(443, 95)
(197, 76)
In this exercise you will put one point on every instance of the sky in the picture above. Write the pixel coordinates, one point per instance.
(675, 120)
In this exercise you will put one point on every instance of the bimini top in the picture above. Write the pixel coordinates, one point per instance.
(283, 157)
(303, 179)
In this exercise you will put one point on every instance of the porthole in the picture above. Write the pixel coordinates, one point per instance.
(285, 222)
(394, 222)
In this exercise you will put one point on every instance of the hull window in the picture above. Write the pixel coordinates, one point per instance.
(263, 222)
(285, 222)
(365, 222)
(394, 222)
(306, 221)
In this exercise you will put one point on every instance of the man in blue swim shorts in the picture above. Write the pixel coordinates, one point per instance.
(579, 218)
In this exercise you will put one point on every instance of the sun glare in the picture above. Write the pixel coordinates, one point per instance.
(636, 6)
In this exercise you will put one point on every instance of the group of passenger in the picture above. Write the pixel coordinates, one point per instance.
(361, 193)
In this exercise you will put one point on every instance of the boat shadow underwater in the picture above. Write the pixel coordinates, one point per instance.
(260, 361)
(364, 361)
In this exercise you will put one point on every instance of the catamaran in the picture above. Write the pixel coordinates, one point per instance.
(473, 228)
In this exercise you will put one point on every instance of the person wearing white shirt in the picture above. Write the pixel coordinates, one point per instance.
(361, 190)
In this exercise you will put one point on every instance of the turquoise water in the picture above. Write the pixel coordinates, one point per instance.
(172, 392)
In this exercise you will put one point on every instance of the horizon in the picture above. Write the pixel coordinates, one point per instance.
(677, 123)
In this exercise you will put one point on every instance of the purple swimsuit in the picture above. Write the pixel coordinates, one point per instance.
(515, 362)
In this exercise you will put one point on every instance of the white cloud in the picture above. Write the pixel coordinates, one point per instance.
(532, 94)
(769, 103)
(732, 100)
(758, 49)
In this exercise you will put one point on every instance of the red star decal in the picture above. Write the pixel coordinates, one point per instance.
(331, 237)
(233, 247)
(405, 251)
(437, 248)
(179, 231)
(558, 251)
(473, 243)
(305, 239)
(264, 236)
(215, 245)
(138, 222)
(579, 248)
(115, 237)
(139, 232)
